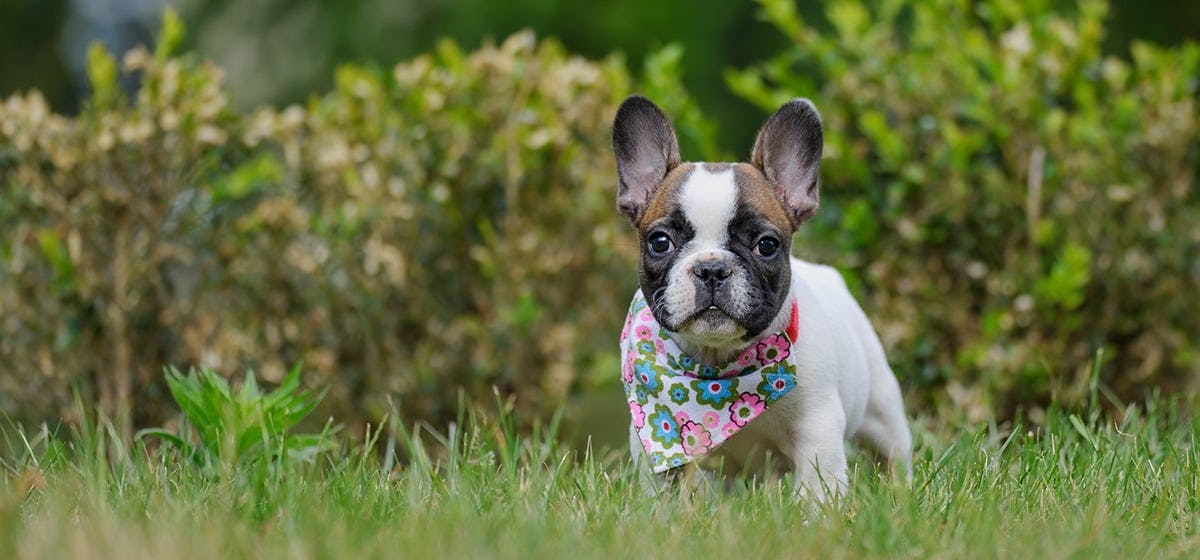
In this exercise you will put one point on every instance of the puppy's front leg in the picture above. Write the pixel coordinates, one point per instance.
(689, 477)
(819, 450)
(650, 482)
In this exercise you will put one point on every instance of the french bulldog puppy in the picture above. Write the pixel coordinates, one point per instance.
(717, 276)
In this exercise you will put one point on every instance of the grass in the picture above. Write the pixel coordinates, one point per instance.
(1072, 488)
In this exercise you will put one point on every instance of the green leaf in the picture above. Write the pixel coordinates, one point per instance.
(248, 178)
(1065, 285)
(177, 442)
(783, 14)
(171, 35)
(102, 76)
(60, 260)
(849, 17)
(1084, 432)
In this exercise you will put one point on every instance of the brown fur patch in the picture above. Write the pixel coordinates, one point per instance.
(754, 189)
(665, 195)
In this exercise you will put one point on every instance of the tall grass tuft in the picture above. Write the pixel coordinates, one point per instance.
(224, 428)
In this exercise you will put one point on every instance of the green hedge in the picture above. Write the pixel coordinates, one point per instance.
(1005, 199)
(445, 226)
(1008, 199)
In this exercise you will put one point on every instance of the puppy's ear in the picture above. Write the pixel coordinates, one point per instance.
(788, 151)
(646, 149)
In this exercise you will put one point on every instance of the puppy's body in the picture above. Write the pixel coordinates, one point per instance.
(717, 274)
(845, 389)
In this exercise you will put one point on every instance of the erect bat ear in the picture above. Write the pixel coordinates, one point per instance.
(646, 149)
(788, 151)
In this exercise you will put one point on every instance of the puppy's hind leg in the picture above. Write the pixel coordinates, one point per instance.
(884, 429)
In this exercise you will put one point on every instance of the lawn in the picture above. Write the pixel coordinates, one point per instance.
(1087, 486)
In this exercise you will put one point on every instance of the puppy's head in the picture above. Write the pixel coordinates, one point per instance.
(715, 238)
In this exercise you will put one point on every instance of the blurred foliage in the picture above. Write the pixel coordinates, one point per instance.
(446, 226)
(280, 51)
(1007, 198)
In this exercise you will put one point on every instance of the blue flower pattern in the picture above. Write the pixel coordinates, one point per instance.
(777, 381)
(714, 392)
(648, 375)
(666, 429)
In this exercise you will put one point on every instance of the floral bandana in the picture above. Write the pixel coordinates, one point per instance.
(683, 409)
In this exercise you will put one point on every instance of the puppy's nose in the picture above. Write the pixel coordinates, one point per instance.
(712, 271)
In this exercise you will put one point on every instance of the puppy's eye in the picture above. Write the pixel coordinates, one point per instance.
(766, 247)
(659, 243)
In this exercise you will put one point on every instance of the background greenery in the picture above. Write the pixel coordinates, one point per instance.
(282, 51)
(1007, 188)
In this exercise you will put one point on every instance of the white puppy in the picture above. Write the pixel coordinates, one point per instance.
(733, 350)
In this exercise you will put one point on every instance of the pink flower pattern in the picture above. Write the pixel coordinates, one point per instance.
(729, 429)
(627, 369)
(696, 440)
(639, 417)
(748, 356)
(746, 408)
(773, 349)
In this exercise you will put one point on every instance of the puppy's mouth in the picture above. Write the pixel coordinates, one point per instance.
(712, 323)
(711, 312)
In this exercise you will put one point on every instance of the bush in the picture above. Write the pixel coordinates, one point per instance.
(1008, 199)
(447, 226)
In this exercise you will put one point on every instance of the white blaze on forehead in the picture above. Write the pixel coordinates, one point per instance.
(709, 200)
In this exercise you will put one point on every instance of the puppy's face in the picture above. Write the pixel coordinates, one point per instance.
(714, 252)
(715, 237)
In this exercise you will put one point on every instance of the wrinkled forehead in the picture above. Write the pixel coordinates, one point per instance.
(710, 194)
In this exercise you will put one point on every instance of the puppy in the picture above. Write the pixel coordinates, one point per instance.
(734, 351)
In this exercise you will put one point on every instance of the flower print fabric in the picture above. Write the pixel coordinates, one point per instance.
(639, 417)
(715, 392)
(746, 408)
(777, 381)
(695, 439)
(683, 410)
(679, 393)
(663, 427)
(773, 349)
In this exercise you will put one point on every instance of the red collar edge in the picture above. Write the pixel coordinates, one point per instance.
(793, 328)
